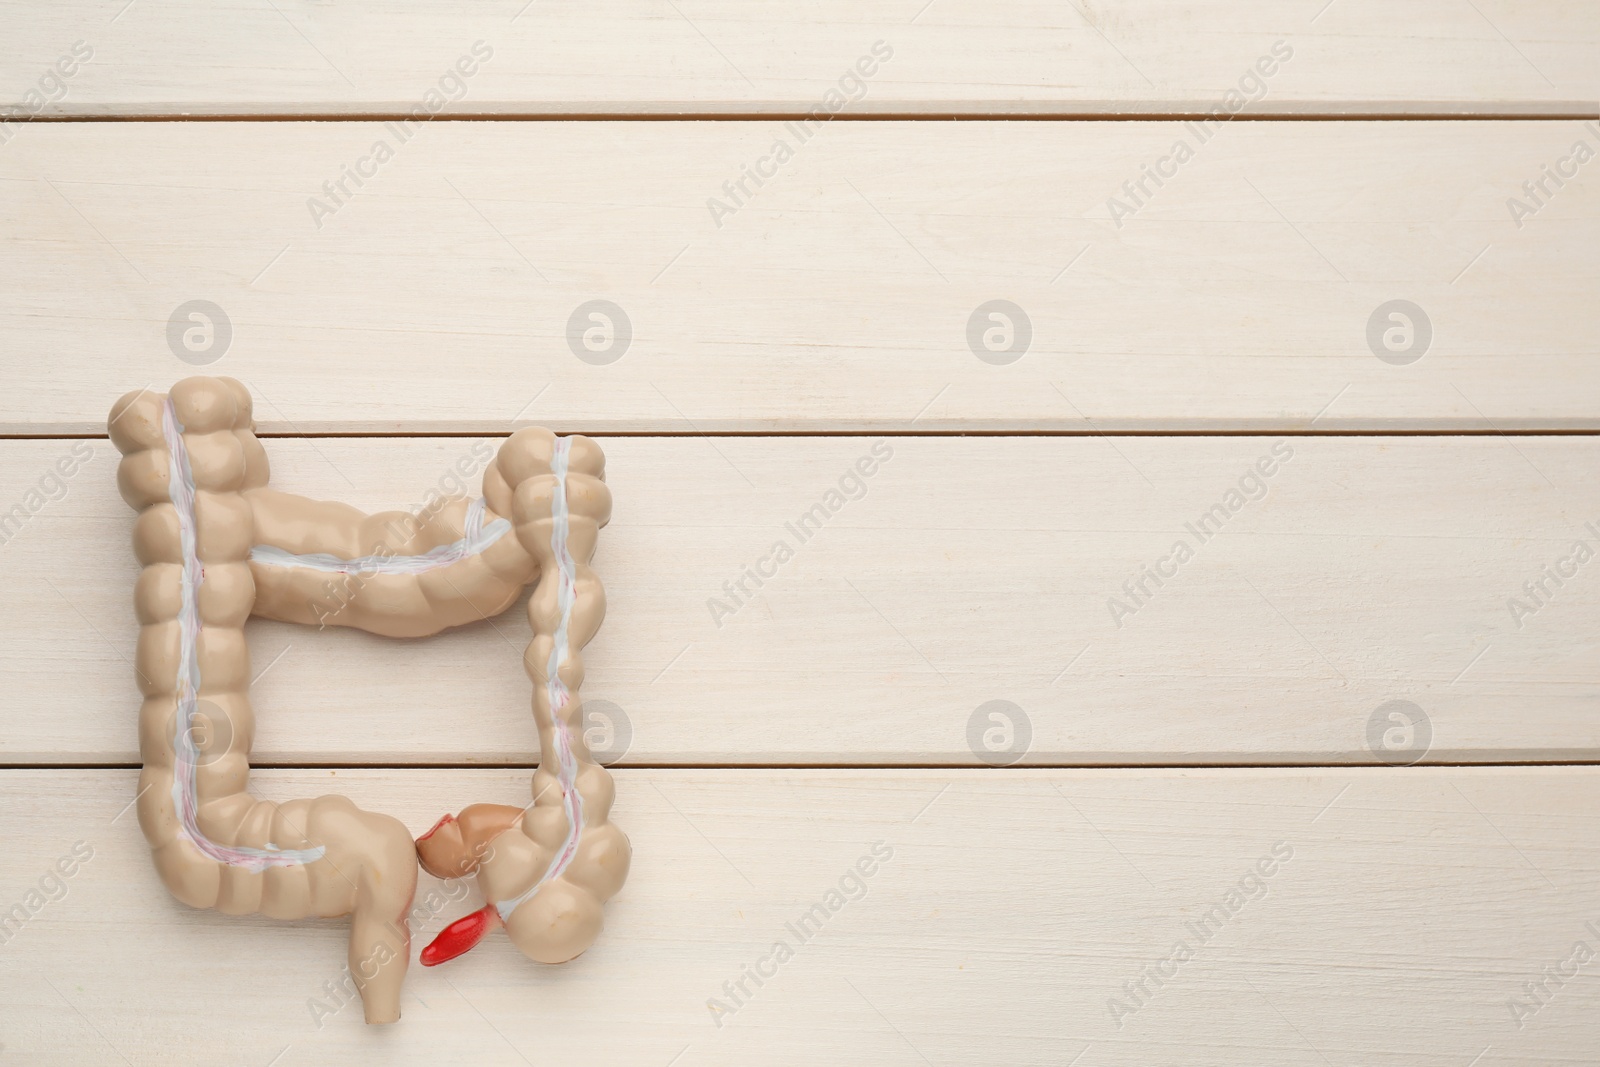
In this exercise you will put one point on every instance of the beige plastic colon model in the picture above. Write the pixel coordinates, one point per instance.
(216, 546)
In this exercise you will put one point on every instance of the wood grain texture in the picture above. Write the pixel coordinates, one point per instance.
(1014, 907)
(1023, 57)
(962, 600)
(438, 296)
(971, 570)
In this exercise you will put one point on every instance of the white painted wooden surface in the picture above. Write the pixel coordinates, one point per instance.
(971, 570)
(434, 296)
(1414, 905)
(719, 56)
(438, 296)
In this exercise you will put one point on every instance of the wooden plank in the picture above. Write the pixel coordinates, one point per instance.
(1012, 909)
(972, 570)
(841, 297)
(703, 57)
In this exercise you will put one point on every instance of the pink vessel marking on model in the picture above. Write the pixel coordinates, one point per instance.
(184, 786)
(555, 689)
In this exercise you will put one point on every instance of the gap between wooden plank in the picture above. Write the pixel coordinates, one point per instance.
(458, 766)
(868, 432)
(1574, 110)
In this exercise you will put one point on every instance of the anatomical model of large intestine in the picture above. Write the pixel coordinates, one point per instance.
(216, 546)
